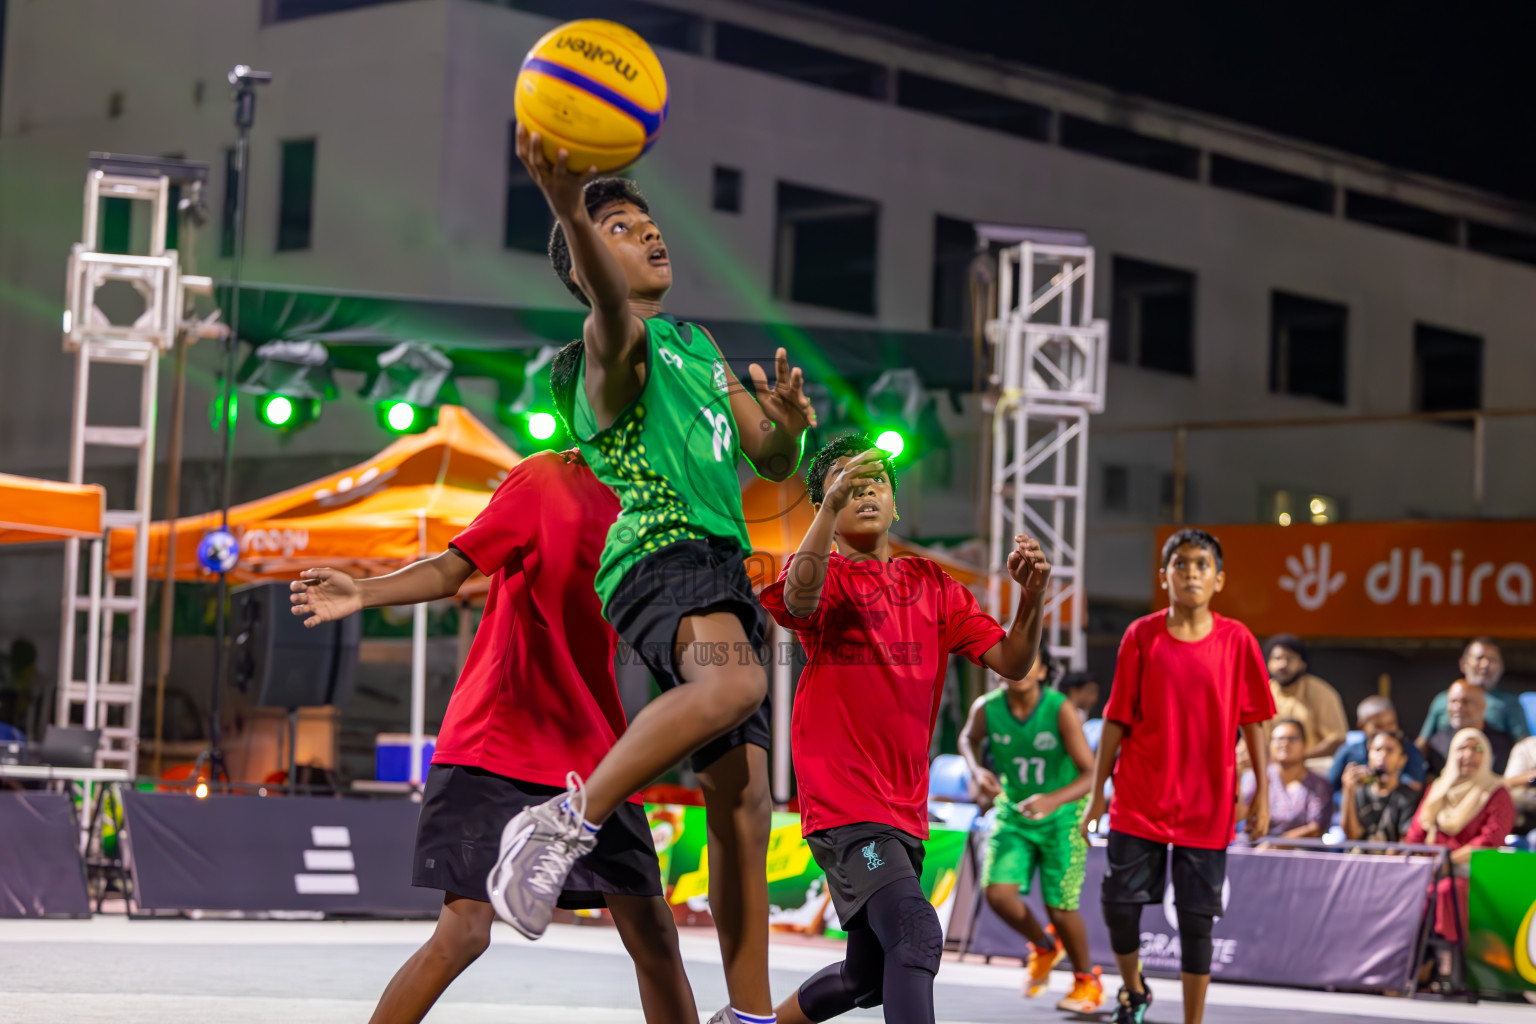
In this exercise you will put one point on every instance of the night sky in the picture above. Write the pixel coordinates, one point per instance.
(1447, 89)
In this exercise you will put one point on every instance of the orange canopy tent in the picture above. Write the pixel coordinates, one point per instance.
(405, 503)
(35, 510)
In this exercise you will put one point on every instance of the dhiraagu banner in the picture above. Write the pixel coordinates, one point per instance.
(1501, 905)
(797, 897)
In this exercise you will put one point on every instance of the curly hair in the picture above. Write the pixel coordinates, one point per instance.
(562, 381)
(826, 458)
(599, 192)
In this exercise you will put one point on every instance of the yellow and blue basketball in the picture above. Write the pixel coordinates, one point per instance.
(595, 89)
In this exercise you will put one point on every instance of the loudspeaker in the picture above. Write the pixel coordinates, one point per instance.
(289, 665)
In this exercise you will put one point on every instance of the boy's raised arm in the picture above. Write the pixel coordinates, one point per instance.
(1015, 654)
(611, 329)
(808, 571)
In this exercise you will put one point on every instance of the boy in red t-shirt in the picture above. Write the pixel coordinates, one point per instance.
(537, 697)
(878, 633)
(1186, 681)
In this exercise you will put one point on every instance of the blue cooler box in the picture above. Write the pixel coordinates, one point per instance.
(392, 756)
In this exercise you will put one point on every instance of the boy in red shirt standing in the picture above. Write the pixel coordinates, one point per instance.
(1186, 680)
(537, 696)
(878, 633)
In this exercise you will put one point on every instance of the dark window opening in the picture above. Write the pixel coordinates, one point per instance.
(528, 219)
(826, 249)
(291, 10)
(726, 194)
(1447, 370)
(1307, 347)
(227, 214)
(1501, 242)
(657, 25)
(973, 106)
(810, 64)
(296, 198)
(1396, 216)
(954, 248)
(1128, 147)
(1268, 183)
(1117, 489)
(1153, 323)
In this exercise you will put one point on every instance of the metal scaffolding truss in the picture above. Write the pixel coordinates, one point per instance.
(104, 692)
(1048, 372)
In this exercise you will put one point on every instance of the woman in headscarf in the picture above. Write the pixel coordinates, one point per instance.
(1466, 809)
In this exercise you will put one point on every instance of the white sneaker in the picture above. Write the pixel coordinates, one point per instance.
(538, 848)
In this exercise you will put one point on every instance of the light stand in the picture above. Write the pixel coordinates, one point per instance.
(245, 80)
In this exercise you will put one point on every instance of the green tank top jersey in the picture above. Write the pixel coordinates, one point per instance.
(1028, 756)
(670, 456)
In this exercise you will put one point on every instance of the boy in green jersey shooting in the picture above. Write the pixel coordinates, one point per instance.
(663, 422)
(1044, 768)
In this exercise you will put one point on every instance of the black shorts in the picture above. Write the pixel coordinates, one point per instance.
(861, 859)
(1137, 868)
(458, 838)
(691, 577)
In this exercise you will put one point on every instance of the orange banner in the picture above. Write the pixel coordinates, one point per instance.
(1430, 579)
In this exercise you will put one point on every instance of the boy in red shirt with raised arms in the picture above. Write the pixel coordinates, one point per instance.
(1186, 680)
(537, 697)
(878, 633)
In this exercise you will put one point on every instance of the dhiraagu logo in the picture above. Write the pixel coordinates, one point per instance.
(1525, 946)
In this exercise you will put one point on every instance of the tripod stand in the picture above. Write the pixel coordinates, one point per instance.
(210, 763)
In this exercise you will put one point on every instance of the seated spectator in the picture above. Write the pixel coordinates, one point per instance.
(1482, 665)
(1376, 715)
(1082, 691)
(1304, 698)
(1378, 808)
(1300, 802)
(1520, 778)
(1466, 809)
(1466, 709)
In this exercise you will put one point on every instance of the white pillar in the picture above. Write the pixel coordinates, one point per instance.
(418, 689)
(783, 698)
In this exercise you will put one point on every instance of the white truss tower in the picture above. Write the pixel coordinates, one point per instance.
(91, 692)
(1048, 365)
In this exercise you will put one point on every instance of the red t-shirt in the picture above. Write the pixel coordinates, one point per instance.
(1181, 705)
(537, 697)
(877, 649)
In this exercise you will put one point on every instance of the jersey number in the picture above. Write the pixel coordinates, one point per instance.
(1024, 764)
(721, 427)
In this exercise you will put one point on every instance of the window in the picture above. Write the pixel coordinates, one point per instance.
(810, 64)
(954, 247)
(227, 214)
(290, 10)
(1447, 370)
(1501, 242)
(1268, 183)
(1396, 216)
(528, 219)
(1117, 489)
(1307, 347)
(727, 190)
(1154, 317)
(1128, 147)
(983, 109)
(825, 252)
(296, 202)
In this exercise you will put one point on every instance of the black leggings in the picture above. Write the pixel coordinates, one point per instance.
(894, 946)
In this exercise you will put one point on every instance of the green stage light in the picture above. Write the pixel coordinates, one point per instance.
(541, 426)
(275, 410)
(400, 416)
(891, 442)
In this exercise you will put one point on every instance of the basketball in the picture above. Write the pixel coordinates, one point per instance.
(595, 89)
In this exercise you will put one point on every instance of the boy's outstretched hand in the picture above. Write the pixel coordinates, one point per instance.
(1027, 564)
(785, 403)
(864, 466)
(324, 595)
(562, 187)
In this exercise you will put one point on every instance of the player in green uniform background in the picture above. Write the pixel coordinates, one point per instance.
(1043, 770)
